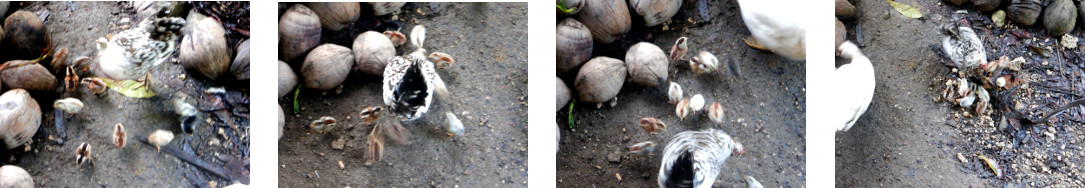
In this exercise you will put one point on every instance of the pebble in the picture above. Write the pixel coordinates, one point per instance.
(614, 157)
(338, 144)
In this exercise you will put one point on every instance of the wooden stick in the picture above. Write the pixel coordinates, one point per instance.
(192, 159)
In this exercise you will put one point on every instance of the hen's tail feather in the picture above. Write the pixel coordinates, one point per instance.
(164, 29)
(682, 173)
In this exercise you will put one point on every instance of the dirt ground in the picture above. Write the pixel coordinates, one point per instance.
(221, 136)
(488, 87)
(765, 110)
(910, 137)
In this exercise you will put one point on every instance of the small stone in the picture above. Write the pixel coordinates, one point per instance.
(961, 157)
(614, 157)
(338, 144)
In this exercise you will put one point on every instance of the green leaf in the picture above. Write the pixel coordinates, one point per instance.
(297, 108)
(571, 124)
(129, 88)
(562, 8)
(904, 9)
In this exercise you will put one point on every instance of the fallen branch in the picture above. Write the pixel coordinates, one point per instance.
(192, 159)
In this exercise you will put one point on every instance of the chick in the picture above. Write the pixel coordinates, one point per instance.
(642, 148)
(441, 59)
(696, 103)
(82, 154)
(160, 138)
(682, 109)
(703, 62)
(120, 137)
(396, 37)
(187, 112)
(370, 115)
(375, 143)
(322, 125)
(454, 127)
(95, 85)
(131, 54)
(733, 67)
(71, 79)
(652, 125)
(715, 112)
(695, 158)
(678, 51)
(751, 182)
(69, 105)
(674, 94)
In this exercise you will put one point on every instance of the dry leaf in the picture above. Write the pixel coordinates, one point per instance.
(904, 9)
(128, 88)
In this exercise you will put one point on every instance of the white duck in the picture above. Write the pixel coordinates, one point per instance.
(855, 86)
(963, 47)
(774, 27)
(695, 158)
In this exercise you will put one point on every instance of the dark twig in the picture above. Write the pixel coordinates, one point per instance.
(1060, 110)
(192, 159)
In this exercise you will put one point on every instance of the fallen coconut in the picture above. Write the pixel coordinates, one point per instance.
(372, 50)
(24, 32)
(605, 19)
(335, 15)
(1024, 12)
(15, 177)
(27, 74)
(20, 117)
(600, 79)
(326, 67)
(574, 45)
(1059, 17)
(299, 31)
(647, 64)
(563, 94)
(240, 66)
(287, 79)
(204, 49)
